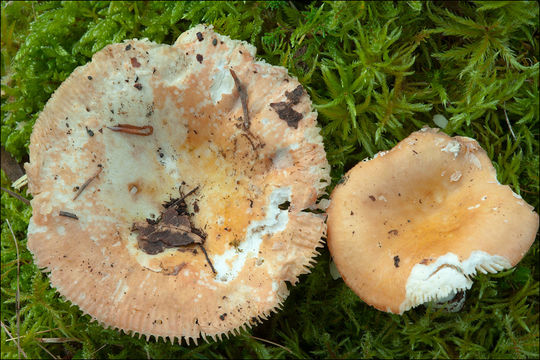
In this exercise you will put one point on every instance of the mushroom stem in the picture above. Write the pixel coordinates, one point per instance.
(453, 302)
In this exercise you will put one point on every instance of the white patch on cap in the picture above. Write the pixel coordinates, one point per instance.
(447, 274)
(474, 160)
(282, 158)
(229, 264)
(380, 154)
(120, 291)
(222, 82)
(34, 229)
(452, 147)
(439, 141)
(455, 176)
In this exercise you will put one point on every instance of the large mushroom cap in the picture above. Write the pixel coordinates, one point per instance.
(124, 133)
(416, 222)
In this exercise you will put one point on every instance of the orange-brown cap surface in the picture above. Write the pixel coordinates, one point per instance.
(415, 223)
(132, 127)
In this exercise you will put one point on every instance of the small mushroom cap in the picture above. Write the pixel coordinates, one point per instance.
(253, 180)
(415, 223)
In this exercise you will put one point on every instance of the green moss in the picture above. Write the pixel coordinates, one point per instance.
(376, 71)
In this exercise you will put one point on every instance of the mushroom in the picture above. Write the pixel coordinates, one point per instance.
(169, 184)
(416, 223)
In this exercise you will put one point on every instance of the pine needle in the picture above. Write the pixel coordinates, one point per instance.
(271, 343)
(47, 351)
(508, 122)
(17, 295)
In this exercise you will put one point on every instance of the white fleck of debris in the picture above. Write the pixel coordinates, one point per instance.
(473, 207)
(443, 173)
(411, 142)
(133, 190)
(484, 197)
(380, 153)
(455, 176)
(505, 220)
(439, 141)
(495, 209)
(220, 220)
(452, 147)
(440, 120)
(473, 159)
(382, 198)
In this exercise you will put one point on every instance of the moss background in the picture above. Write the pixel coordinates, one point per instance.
(375, 71)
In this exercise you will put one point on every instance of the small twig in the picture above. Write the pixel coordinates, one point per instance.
(250, 141)
(183, 197)
(87, 182)
(243, 98)
(15, 195)
(56, 340)
(207, 258)
(47, 351)
(242, 92)
(11, 337)
(272, 343)
(508, 121)
(132, 129)
(17, 294)
(68, 214)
